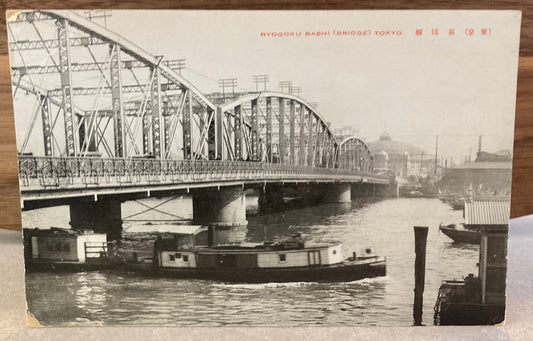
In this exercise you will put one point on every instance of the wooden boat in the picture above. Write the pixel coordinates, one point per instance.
(286, 261)
(58, 249)
(461, 235)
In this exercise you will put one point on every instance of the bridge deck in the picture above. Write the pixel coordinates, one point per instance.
(43, 178)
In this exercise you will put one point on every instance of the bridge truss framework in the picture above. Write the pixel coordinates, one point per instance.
(107, 108)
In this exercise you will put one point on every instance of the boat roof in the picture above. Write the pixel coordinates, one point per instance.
(487, 211)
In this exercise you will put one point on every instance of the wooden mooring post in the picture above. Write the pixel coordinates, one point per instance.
(421, 234)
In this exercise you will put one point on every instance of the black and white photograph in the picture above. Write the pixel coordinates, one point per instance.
(264, 168)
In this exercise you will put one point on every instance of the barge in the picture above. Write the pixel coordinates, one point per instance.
(286, 261)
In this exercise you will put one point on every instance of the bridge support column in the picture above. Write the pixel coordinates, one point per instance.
(226, 235)
(224, 207)
(271, 197)
(100, 216)
(337, 193)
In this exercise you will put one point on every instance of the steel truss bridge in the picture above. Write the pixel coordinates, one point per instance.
(96, 113)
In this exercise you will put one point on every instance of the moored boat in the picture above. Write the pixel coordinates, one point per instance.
(455, 201)
(461, 235)
(287, 261)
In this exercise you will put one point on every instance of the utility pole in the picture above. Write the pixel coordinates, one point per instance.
(260, 79)
(285, 85)
(295, 90)
(421, 162)
(436, 152)
(227, 83)
(175, 64)
(97, 14)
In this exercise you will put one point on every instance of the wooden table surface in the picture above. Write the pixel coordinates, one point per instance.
(523, 149)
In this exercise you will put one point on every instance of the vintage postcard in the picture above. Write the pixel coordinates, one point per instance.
(265, 168)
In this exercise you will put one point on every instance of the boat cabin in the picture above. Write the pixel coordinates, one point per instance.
(190, 248)
(185, 238)
(57, 244)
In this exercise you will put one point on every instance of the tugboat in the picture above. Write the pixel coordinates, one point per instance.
(58, 249)
(287, 261)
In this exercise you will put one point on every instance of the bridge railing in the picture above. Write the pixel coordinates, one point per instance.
(45, 172)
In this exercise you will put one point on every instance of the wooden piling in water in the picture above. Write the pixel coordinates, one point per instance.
(421, 234)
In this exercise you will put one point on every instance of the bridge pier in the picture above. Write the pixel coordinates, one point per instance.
(226, 235)
(103, 216)
(271, 197)
(224, 207)
(337, 193)
(363, 190)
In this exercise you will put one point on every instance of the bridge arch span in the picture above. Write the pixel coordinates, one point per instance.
(354, 154)
(277, 128)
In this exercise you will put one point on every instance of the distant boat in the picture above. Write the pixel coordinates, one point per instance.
(286, 261)
(457, 204)
(455, 201)
(461, 235)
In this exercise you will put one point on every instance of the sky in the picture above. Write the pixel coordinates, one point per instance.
(415, 87)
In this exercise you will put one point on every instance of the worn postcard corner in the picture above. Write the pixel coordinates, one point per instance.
(11, 14)
(32, 321)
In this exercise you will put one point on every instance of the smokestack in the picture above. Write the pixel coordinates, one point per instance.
(479, 146)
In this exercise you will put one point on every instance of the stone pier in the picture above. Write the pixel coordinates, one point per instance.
(224, 207)
(337, 193)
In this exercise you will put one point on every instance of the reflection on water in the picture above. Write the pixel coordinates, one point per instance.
(112, 297)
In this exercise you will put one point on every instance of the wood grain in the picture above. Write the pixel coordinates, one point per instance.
(523, 148)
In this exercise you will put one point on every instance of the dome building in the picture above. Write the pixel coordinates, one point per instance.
(401, 158)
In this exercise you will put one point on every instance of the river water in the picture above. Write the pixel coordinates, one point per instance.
(121, 298)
